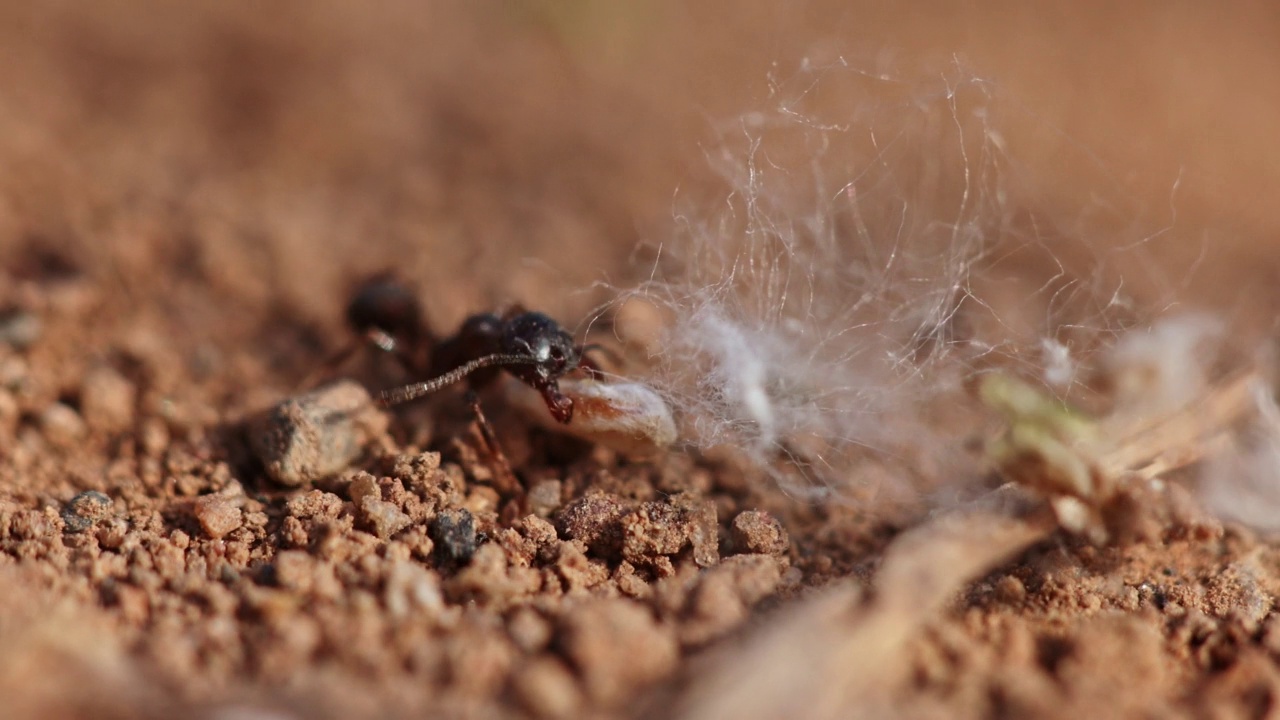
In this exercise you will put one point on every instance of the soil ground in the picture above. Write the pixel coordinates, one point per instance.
(189, 193)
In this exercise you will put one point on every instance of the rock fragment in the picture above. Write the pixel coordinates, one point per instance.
(758, 532)
(616, 646)
(86, 510)
(595, 519)
(454, 535)
(19, 329)
(107, 399)
(547, 689)
(657, 530)
(62, 425)
(315, 435)
(384, 518)
(217, 515)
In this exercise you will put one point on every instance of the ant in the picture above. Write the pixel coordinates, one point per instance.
(529, 345)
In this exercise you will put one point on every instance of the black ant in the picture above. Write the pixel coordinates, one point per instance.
(529, 345)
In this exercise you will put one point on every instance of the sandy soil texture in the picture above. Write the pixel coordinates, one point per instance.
(190, 192)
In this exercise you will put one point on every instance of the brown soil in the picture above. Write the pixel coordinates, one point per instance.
(187, 195)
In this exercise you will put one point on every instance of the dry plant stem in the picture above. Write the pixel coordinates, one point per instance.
(827, 659)
(1186, 437)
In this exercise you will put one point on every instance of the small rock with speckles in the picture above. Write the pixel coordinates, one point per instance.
(454, 533)
(315, 435)
(85, 510)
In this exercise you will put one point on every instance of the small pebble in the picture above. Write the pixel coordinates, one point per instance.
(756, 531)
(19, 329)
(363, 485)
(544, 497)
(217, 515)
(107, 399)
(454, 534)
(1010, 589)
(85, 510)
(547, 689)
(10, 411)
(154, 436)
(62, 425)
(384, 517)
(316, 435)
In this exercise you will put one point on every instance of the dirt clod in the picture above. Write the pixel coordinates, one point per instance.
(759, 532)
(547, 689)
(107, 399)
(721, 599)
(595, 520)
(616, 646)
(544, 497)
(662, 529)
(383, 517)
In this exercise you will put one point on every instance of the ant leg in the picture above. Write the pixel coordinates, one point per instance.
(330, 364)
(374, 337)
(388, 344)
(505, 478)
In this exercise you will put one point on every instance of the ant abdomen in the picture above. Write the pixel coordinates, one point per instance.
(384, 305)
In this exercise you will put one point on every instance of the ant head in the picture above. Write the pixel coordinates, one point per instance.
(383, 303)
(538, 337)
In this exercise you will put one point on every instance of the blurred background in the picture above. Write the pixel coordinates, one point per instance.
(224, 172)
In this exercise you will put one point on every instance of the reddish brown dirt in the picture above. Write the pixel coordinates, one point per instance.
(188, 193)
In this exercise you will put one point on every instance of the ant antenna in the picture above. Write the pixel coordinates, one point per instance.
(406, 393)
